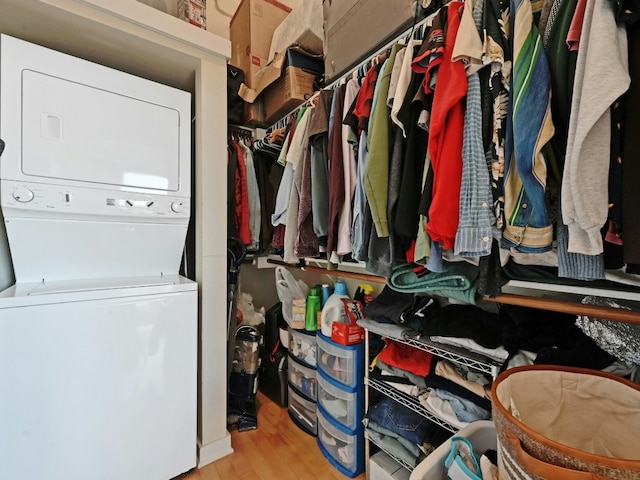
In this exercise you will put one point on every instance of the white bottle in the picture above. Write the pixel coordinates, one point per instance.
(333, 310)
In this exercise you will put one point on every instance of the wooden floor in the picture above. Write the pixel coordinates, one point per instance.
(278, 449)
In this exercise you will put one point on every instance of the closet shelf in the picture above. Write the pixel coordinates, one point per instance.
(409, 402)
(564, 306)
(397, 459)
(460, 356)
(532, 301)
(340, 273)
(471, 360)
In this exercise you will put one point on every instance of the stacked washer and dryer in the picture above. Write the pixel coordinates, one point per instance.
(98, 331)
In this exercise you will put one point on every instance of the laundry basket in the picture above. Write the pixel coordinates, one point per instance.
(561, 423)
(481, 434)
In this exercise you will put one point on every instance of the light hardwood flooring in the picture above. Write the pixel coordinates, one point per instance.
(278, 449)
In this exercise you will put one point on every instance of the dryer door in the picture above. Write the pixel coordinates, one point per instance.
(71, 131)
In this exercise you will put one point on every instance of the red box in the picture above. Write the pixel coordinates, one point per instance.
(349, 333)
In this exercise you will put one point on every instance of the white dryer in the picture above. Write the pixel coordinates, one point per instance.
(98, 336)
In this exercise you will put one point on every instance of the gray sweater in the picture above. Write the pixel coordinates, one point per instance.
(602, 75)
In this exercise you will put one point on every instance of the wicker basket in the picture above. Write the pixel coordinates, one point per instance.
(561, 423)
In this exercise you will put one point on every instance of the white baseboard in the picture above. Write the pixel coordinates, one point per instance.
(214, 451)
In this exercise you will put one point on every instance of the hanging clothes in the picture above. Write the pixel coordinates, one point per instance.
(602, 60)
(529, 127)
(447, 120)
(243, 221)
(318, 139)
(253, 198)
(336, 167)
(349, 149)
(473, 236)
(296, 157)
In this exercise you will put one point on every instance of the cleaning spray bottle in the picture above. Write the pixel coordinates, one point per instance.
(333, 310)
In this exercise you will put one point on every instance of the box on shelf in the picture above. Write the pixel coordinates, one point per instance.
(254, 116)
(194, 12)
(302, 27)
(251, 29)
(349, 333)
(286, 82)
(294, 85)
(298, 313)
(355, 28)
(383, 467)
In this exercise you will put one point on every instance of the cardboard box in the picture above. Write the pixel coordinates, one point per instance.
(294, 83)
(349, 333)
(298, 313)
(194, 12)
(383, 467)
(353, 29)
(251, 29)
(254, 116)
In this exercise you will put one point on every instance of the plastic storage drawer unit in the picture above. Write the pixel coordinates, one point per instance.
(303, 379)
(303, 412)
(302, 346)
(343, 449)
(343, 404)
(343, 363)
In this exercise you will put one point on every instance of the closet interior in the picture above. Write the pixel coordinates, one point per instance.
(476, 174)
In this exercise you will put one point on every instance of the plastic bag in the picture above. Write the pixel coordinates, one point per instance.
(289, 289)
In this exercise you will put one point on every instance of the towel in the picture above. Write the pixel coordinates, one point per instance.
(457, 280)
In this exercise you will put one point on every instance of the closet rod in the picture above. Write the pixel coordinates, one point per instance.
(339, 273)
(564, 306)
(344, 76)
(232, 126)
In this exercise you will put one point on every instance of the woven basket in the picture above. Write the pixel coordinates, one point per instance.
(560, 423)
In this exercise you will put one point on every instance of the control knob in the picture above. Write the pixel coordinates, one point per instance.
(23, 195)
(177, 207)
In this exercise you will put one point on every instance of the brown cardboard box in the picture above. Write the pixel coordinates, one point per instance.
(252, 27)
(292, 84)
(354, 29)
(254, 116)
(286, 93)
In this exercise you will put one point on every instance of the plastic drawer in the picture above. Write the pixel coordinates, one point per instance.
(482, 434)
(344, 405)
(343, 363)
(302, 346)
(303, 379)
(343, 449)
(303, 412)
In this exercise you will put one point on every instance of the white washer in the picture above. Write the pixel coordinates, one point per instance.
(98, 380)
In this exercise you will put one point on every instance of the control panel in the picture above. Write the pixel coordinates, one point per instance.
(36, 199)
